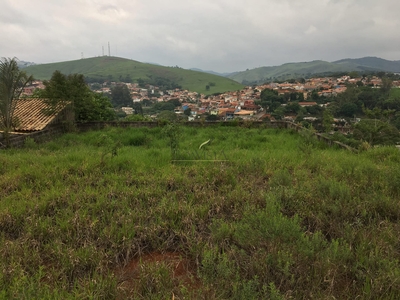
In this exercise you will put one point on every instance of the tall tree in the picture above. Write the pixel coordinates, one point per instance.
(138, 108)
(187, 111)
(327, 121)
(87, 105)
(120, 96)
(349, 96)
(12, 82)
(386, 85)
(376, 132)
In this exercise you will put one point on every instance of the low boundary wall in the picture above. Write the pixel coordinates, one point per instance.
(251, 124)
(18, 139)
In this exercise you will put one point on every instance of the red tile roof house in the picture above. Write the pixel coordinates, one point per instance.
(226, 113)
(35, 118)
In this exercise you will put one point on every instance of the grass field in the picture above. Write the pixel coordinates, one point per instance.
(106, 215)
(111, 68)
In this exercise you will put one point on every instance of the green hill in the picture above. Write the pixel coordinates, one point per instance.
(317, 67)
(373, 63)
(119, 69)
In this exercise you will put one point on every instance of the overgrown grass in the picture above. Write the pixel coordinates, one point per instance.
(285, 217)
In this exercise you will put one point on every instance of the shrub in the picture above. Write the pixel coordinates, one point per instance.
(30, 143)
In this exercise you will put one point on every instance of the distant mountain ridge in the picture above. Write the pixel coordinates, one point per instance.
(196, 79)
(373, 62)
(211, 72)
(23, 64)
(106, 68)
(317, 67)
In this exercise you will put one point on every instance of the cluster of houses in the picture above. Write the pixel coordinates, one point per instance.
(31, 117)
(30, 89)
(235, 104)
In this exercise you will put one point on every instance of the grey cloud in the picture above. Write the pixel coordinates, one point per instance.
(108, 7)
(224, 35)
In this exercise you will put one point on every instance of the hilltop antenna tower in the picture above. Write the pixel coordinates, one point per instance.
(109, 53)
(102, 47)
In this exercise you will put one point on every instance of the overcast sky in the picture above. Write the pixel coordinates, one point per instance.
(219, 35)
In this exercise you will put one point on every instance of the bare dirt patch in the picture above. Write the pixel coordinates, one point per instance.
(167, 273)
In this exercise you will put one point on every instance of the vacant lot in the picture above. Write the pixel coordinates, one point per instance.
(254, 214)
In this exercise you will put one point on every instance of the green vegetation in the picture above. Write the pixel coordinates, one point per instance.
(363, 113)
(87, 105)
(285, 218)
(378, 108)
(272, 102)
(136, 118)
(99, 69)
(287, 71)
(12, 82)
(315, 68)
(120, 96)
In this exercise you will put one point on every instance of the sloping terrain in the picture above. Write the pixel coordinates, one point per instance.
(369, 63)
(107, 215)
(121, 69)
(317, 67)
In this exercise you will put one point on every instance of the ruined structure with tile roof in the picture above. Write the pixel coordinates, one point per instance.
(34, 114)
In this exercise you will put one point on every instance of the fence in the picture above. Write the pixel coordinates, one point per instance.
(320, 137)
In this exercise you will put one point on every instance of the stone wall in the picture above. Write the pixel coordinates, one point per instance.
(18, 139)
(251, 124)
(248, 124)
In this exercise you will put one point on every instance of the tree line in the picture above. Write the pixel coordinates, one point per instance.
(378, 109)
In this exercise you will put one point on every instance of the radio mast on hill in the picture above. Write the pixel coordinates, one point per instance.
(109, 54)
